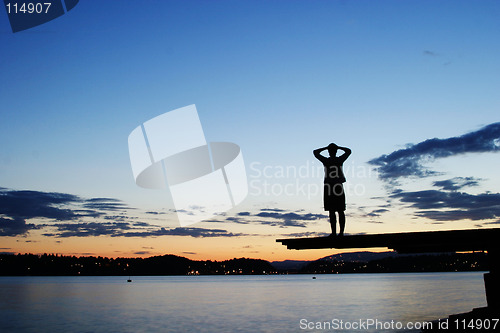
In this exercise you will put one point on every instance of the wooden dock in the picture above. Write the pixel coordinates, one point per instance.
(408, 242)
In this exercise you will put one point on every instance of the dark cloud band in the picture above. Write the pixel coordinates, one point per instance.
(409, 161)
(445, 201)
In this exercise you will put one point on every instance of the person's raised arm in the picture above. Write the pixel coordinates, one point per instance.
(317, 154)
(346, 153)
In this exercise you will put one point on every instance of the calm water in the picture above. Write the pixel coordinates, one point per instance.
(230, 303)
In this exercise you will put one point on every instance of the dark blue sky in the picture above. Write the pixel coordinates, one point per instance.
(278, 78)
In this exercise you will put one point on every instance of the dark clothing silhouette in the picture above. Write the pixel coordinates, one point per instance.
(333, 194)
(333, 197)
(333, 168)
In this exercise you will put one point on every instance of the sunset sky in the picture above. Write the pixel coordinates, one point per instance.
(412, 87)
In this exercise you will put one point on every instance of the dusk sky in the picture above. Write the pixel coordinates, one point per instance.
(412, 87)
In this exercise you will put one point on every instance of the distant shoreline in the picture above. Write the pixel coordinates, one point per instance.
(345, 263)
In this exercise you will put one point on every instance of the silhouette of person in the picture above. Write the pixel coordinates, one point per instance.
(333, 195)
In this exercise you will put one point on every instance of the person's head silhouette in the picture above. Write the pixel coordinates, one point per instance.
(332, 149)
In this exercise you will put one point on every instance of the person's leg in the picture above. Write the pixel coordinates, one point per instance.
(333, 222)
(341, 222)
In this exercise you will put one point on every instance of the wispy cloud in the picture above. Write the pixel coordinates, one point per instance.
(307, 234)
(410, 161)
(54, 205)
(377, 212)
(289, 219)
(155, 213)
(430, 53)
(125, 229)
(88, 229)
(14, 226)
(16, 207)
(451, 205)
(275, 217)
(66, 215)
(457, 183)
(35, 204)
(105, 204)
(446, 199)
(191, 232)
(142, 252)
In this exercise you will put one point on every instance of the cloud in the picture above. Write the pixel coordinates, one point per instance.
(34, 204)
(243, 214)
(410, 161)
(54, 205)
(494, 222)
(155, 213)
(307, 234)
(274, 217)
(66, 211)
(125, 229)
(66, 215)
(288, 219)
(272, 210)
(106, 204)
(89, 229)
(451, 205)
(142, 252)
(457, 183)
(446, 199)
(120, 218)
(141, 224)
(18, 206)
(376, 212)
(430, 53)
(14, 227)
(191, 232)
(236, 219)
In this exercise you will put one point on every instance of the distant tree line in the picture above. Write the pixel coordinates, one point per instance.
(52, 264)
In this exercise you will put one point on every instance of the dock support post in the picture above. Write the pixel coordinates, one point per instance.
(492, 279)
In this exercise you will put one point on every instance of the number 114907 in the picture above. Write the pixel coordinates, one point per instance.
(28, 8)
